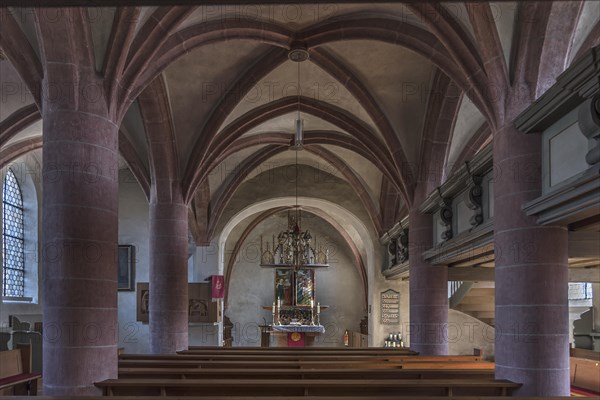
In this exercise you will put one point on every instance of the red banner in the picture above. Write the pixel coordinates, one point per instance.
(295, 339)
(217, 286)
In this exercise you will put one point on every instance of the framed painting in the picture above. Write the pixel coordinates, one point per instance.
(284, 288)
(199, 302)
(126, 267)
(305, 287)
(201, 308)
(143, 302)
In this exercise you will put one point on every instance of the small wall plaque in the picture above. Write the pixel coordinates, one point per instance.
(390, 307)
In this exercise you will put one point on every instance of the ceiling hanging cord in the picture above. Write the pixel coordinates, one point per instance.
(299, 91)
(297, 144)
(299, 138)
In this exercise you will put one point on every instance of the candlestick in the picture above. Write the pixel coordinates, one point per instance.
(278, 312)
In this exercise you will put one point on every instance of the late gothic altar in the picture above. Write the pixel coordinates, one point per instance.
(294, 258)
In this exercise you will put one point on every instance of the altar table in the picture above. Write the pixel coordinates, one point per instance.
(296, 335)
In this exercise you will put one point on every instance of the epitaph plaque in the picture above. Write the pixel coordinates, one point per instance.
(390, 307)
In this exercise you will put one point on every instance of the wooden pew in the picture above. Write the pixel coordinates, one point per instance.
(585, 369)
(485, 365)
(269, 362)
(178, 363)
(301, 351)
(193, 367)
(306, 387)
(359, 373)
(300, 357)
(15, 371)
(275, 398)
(302, 365)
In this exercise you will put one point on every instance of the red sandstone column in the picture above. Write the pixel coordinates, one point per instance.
(168, 274)
(80, 224)
(532, 332)
(428, 291)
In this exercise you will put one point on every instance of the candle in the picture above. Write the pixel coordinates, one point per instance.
(278, 302)
(312, 303)
(273, 307)
(318, 308)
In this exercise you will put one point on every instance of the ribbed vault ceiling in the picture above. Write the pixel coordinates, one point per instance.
(367, 92)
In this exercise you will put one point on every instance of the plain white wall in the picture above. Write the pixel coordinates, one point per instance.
(133, 230)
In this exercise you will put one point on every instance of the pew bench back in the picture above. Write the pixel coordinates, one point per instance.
(307, 387)
(15, 371)
(359, 373)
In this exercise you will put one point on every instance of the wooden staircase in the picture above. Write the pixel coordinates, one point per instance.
(476, 299)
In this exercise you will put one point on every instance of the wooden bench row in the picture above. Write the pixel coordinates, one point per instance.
(169, 361)
(273, 398)
(302, 351)
(227, 357)
(303, 373)
(307, 387)
(166, 364)
(15, 371)
(359, 373)
(300, 357)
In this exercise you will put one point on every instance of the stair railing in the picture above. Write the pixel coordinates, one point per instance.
(457, 290)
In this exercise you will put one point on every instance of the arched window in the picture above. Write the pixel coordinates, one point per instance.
(13, 238)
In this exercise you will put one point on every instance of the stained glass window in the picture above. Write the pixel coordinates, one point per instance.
(13, 243)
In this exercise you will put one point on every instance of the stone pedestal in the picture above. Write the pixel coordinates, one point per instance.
(532, 333)
(79, 252)
(428, 291)
(168, 275)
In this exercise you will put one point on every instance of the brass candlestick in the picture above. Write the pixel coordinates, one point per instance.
(318, 313)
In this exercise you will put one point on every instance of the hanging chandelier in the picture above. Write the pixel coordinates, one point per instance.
(293, 247)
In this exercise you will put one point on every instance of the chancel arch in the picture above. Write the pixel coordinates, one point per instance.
(356, 230)
(331, 285)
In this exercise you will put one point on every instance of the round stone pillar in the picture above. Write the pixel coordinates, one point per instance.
(79, 251)
(428, 291)
(532, 332)
(168, 275)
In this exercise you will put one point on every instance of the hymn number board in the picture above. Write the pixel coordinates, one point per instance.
(390, 307)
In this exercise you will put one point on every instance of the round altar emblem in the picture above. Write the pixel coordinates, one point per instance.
(295, 336)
